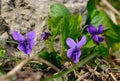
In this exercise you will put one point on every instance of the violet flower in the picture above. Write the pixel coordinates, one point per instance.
(74, 52)
(27, 43)
(45, 36)
(96, 34)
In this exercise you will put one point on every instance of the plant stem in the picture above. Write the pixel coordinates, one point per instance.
(62, 74)
(16, 59)
(13, 42)
(50, 42)
(63, 48)
(51, 46)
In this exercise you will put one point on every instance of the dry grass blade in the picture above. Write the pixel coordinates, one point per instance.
(111, 7)
(83, 76)
(47, 63)
(113, 77)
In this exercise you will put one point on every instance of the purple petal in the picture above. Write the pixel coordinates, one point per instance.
(95, 38)
(45, 36)
(77, 57)
(70, 53)
(100, 39)
(31, 35)
(100, 29)
(28, 50)
(92, 30)
(74, 54)
(81, 42)
(17, 36)
(30, 39)
(70, 42)
(31, 43)
(24, 48)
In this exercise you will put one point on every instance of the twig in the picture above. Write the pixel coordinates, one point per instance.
(47, 63)
(76, 5)
(0, 6)
(93, 70)
(113, 77)
(112, 15)
(111, 7)
(83, 76)
(20, 65)
(16, 69)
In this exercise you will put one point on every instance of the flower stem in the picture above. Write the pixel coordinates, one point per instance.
(63, 50)
(62, 74)
(51, 43)
(16, 59)
(11, 41)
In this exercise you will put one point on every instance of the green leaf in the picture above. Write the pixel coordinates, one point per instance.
(102, 50)
(89, 7)
(70, 27)
(57, 59)
(67, 26)
(54, 24)
(52, 57)
(58, 9)
(2, 53)
(44, 55)
(90, 43)
(2, 73)
(116, 47)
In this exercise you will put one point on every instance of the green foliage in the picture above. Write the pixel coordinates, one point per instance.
(52, 57)
(111, 31)
(67, 26)
(58, 9)
(53, 23)
(89, 46)
(90, 43)
(63, 23)
(2, 73)
(91, 6)
(102, 50)
(2, 53)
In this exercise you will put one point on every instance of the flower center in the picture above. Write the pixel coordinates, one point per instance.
(75, 52)
(26, 42)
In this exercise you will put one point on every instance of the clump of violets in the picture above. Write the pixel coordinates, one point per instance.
(74, 51)
(96, 34)
(27, 43)
(45, 36)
